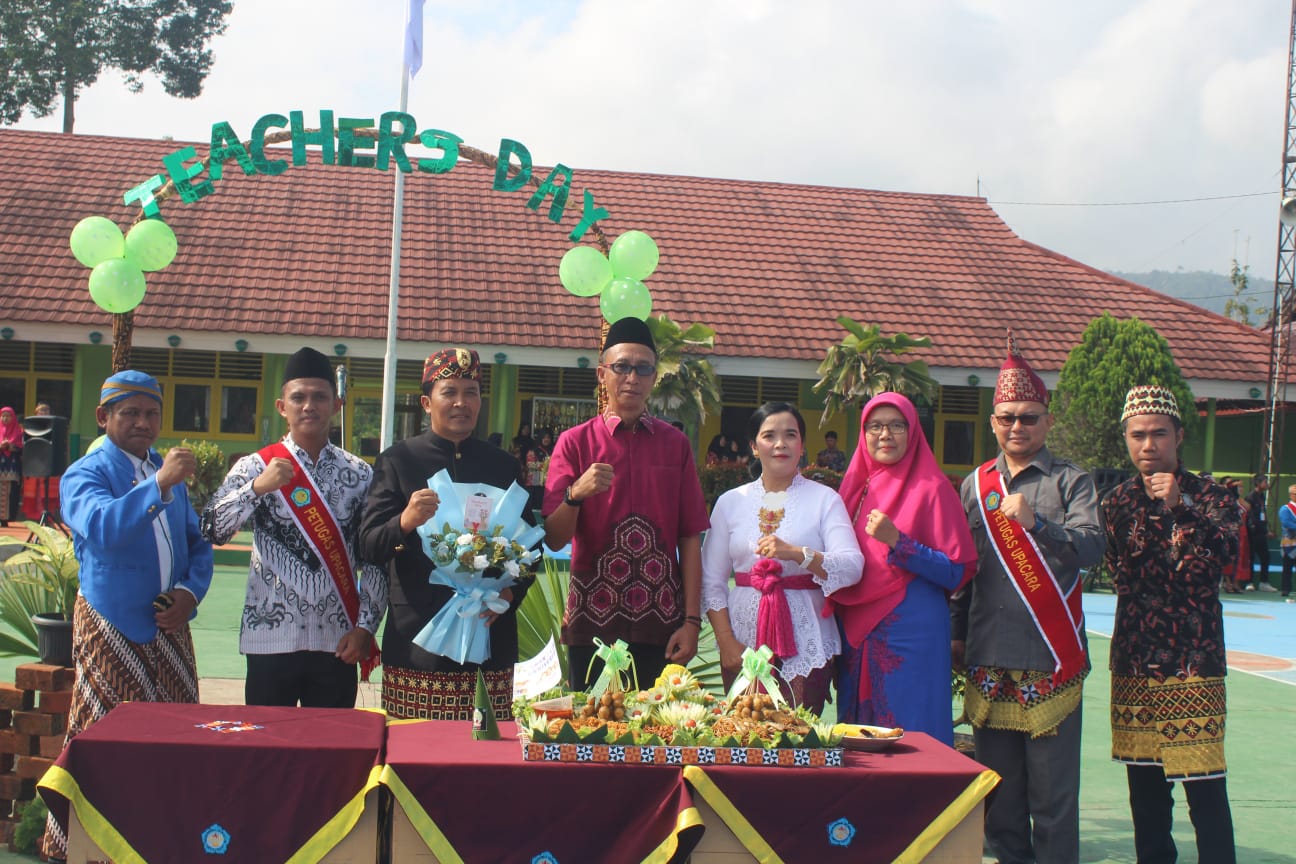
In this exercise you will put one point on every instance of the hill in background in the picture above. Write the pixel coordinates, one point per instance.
(1207, 290)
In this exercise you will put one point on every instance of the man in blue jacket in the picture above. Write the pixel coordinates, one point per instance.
(144, 565)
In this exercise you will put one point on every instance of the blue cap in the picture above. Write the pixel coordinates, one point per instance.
(129, 383)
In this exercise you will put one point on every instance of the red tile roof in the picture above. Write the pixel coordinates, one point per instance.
(768, 265)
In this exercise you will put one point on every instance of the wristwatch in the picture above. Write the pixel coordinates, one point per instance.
(807, 556)
(568, 500)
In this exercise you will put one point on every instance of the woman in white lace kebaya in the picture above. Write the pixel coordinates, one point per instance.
(788, 543)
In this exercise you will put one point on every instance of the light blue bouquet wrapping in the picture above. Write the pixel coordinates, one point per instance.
(462, 556)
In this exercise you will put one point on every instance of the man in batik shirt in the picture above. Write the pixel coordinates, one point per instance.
(1169, 535)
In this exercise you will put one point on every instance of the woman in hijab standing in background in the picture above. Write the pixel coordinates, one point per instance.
(11, 442)
(894, 669)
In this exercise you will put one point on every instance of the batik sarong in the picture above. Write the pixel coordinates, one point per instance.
(110, 670)
(415, 694)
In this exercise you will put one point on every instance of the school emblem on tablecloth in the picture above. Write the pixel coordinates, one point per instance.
(841, 833)
(992, 501)
(215, 840)
(226, 726)
(301, 496)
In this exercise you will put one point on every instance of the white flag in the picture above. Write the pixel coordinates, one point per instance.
(414, 36)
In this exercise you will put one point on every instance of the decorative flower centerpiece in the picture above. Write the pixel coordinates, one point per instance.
(679, 712)
(489, 550)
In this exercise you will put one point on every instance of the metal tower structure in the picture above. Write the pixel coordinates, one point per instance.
(1284, 273)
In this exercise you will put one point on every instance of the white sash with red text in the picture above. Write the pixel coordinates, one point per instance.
(318, 525)
(1057, 615)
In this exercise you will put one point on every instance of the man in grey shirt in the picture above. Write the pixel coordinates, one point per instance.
(1020, 628)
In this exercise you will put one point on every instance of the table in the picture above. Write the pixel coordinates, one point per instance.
(165, 782)
(465, 800)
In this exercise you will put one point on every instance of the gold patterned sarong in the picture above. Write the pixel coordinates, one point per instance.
(1176, 723)
(1019, 701)
(419, 695)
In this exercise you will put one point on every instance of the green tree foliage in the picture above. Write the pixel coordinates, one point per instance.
(861, 366)
(57, 48)
(1112, 357)
(687, 388)
(211, 471)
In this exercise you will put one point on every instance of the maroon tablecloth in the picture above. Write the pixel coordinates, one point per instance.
(488, 805)
(873, 809)
(276, 781)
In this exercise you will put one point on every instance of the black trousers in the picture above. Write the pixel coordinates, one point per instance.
(1287, 574)
(649, 661)
(1259, 554)
(1152, 806)
(316, 679)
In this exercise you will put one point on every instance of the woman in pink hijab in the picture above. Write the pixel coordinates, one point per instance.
(895, 664)
(11, 441)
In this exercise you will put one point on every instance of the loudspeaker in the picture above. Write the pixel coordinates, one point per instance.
(45, 450)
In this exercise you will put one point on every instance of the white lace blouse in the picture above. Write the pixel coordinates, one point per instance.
(814, 516)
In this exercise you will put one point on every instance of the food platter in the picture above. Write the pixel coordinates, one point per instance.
(869, 739)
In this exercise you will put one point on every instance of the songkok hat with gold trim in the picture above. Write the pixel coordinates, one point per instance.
(127, 383)
(1017, 380)
(1150, 399)
(451, 363)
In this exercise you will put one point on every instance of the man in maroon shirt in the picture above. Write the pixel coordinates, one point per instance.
(623, 489)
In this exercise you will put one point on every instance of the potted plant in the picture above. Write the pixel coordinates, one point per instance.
(38, 588)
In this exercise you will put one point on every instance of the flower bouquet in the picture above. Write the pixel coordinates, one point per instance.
(489, 550)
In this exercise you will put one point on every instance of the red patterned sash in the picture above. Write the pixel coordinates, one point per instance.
(316, 522)
(1057, 615)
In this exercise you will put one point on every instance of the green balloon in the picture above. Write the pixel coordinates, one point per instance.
(625, 298)
(116, 285)
(633, 255)
(584, 271)
(151, 245)
(96, 239)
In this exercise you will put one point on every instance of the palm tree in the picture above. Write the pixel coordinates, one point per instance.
(687, 387)
(858, 368)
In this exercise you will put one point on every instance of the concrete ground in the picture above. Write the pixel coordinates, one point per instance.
(1261, 634)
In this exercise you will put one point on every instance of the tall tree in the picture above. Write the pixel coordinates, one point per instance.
(861, 366)
(56, 48)
(1112, 357)
(1238, 307)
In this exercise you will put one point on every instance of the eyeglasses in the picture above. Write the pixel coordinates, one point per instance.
(622, 368)
(1006, 421)
(896, 427)
(133, 414)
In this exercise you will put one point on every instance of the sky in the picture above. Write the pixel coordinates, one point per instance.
(1067, 117)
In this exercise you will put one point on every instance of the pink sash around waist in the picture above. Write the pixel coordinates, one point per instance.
(773, 616)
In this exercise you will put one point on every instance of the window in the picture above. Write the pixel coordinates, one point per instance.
(189, 407)
(238, 414)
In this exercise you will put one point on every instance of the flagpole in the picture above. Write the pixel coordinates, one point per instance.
(393, 291)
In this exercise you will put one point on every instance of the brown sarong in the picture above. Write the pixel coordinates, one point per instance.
(415, 694)
(1176, 723)
(111, 669)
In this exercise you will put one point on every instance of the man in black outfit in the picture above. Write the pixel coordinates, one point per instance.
(417, 683)
(1257, 524)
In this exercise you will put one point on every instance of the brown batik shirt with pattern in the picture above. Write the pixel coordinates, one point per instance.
(1166, 565)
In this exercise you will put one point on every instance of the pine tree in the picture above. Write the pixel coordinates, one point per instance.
(1112, 357)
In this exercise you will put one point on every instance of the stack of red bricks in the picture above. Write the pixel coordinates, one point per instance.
(33, 720)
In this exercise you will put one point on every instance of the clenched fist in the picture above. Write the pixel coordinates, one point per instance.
(276, 475)
(422, 506)
(178, 464)
(1016, 508)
